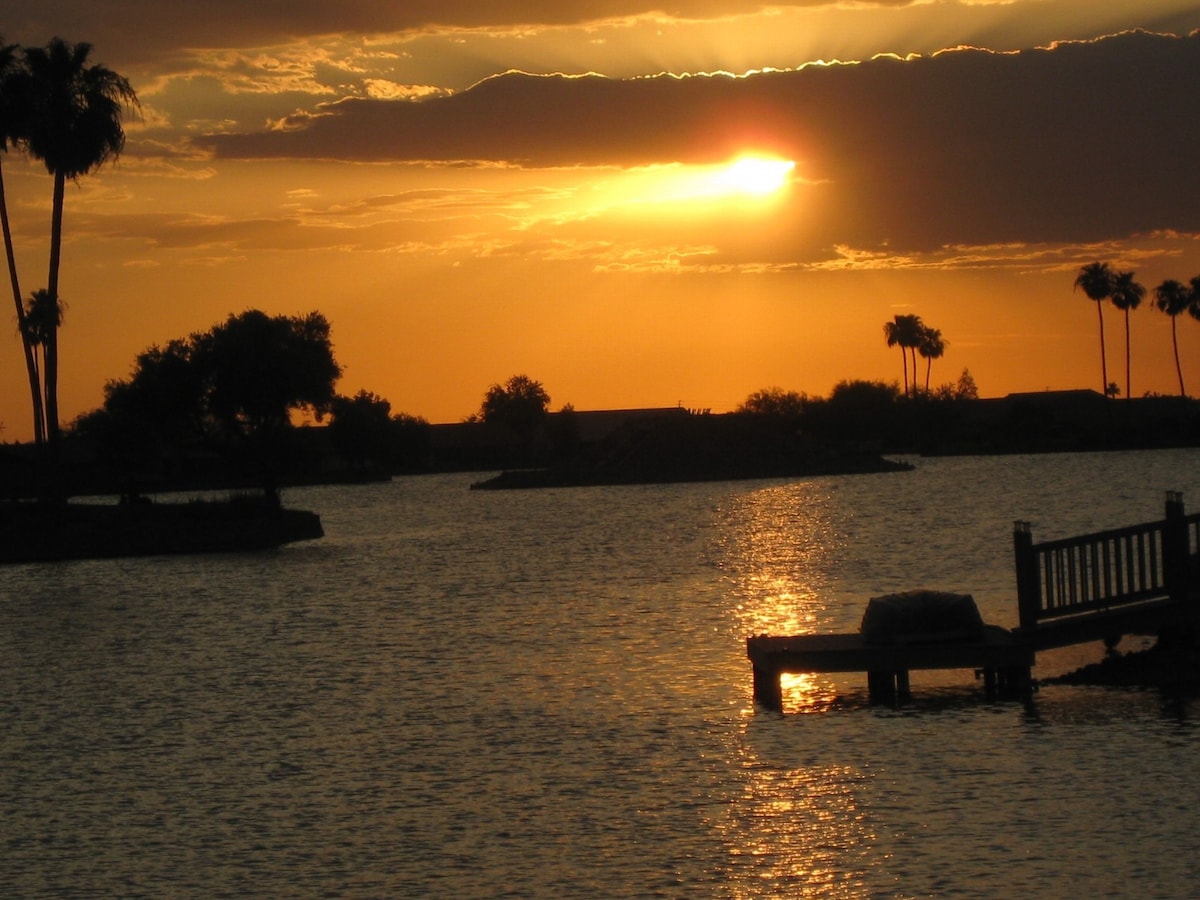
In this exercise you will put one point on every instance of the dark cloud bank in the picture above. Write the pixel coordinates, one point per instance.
(134, 29)
(1085, 141)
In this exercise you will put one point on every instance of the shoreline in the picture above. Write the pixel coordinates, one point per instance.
(1173, 668)
(31, 532)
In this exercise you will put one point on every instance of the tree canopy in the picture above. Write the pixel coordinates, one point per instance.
(364, 432)
(241, 379)
(520, 403)
(259, 368)
(775, 402)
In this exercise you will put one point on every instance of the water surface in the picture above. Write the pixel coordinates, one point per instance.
(545, 693)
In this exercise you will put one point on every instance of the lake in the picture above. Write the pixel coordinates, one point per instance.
(545, 694)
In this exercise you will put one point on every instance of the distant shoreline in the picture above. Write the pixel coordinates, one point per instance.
(521, 479)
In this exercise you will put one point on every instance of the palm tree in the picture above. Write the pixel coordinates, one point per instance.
(1126, 294)
(905, 332)
(73, 126)
(931, 347)
(1193, 302)
(41, 319)
(10, 133)
(1096, 279)
(912, 328)
(891, 334)
(1173, 298)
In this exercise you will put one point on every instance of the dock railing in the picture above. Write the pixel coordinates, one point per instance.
(1141, 567)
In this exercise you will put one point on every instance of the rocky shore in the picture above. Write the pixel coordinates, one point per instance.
(1173, 666)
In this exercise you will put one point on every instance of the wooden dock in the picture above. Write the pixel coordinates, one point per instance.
(1138, 580)
(1005, 662)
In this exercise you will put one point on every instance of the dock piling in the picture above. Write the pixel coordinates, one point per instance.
(767, 691)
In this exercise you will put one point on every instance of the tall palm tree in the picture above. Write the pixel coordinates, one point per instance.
(1193, 301)
(891, 334)
(73, 126)
(11, 68)
(931, 347)
(1126, 294)
(912, 327)
(1172, 297)
(905, 332)
(1096, 279)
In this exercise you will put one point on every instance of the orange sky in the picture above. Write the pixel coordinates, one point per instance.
(434, 179)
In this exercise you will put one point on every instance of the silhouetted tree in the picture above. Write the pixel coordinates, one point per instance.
(1173, 297)
(260, 368)
(234, 385)
(931, 346)
(563, 430)
(520, 403)
(360, 429)
(1096, 279)
(11, 71)
(160, 406)
(42, 317)
(70, 118)
(410, 441)
(775, 402)
(164, 400)
(904, 331)
(858, 411)
(1127, 294)
(966, 389)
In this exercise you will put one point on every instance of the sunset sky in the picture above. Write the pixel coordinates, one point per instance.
(473, 190)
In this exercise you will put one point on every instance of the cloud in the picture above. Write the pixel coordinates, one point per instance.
(1082, 141)
(135, 31)
(235, 23)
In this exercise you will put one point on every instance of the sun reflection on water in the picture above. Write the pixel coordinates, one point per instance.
(780, 551)
(777, 544)
(799, 831)
(807, 692)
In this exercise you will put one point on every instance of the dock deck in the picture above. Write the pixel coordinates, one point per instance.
(1143, 579)
(1005, 661)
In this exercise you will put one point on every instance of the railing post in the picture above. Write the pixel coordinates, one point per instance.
(1029, 600)
(1175, 549)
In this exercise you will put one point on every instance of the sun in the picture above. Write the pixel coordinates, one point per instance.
(750, 180)
(756, 175)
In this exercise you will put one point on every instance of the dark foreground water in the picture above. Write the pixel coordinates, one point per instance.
(545, 694)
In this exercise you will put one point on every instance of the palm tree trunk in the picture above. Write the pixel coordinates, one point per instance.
(928, 369)
(1103, 356)
(50, 374)
(904, 360)
(1178, 369)
(1128, 357)
(35, 389)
